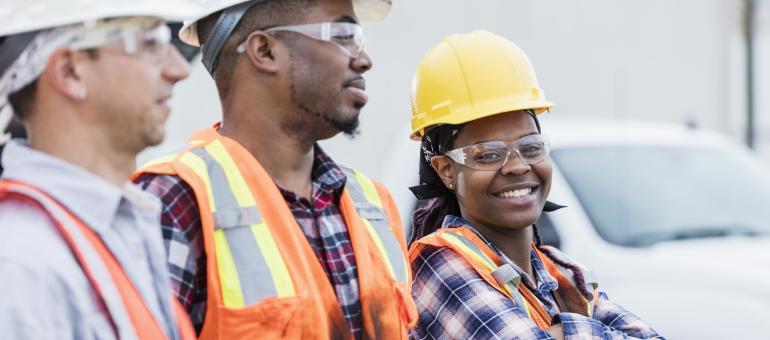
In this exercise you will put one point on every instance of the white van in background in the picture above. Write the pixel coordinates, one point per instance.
(674, 221)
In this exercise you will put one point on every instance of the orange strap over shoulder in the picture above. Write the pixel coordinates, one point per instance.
(538, 314)
(145, 325)
(485, 260)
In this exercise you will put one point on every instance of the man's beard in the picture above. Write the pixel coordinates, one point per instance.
(311, 102)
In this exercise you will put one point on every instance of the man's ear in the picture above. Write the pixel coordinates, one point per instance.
(64, 74)
(261, 48)
(443, 167)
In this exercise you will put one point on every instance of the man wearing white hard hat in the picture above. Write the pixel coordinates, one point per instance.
(81, 254)
(269, 237)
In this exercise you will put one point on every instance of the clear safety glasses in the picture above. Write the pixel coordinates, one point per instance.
(349, 37)
(150, 44)
(494, 155)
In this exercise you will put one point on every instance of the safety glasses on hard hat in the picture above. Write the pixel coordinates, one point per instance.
(349, 37)
(150, 44)
(494, 155)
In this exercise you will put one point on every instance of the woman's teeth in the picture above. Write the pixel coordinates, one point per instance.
(515, 193)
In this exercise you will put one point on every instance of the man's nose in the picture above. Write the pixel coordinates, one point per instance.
(175, 67)
(361, 63)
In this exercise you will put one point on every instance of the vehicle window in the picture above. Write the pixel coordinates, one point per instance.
(640, 195)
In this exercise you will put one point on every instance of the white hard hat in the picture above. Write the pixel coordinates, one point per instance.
(19, 16)
(366, 10)
(21, 20)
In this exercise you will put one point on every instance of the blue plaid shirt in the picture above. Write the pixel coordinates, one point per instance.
(454, 302)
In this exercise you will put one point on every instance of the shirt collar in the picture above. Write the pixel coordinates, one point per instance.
(326, 171)
(544, 279)
(89, 196)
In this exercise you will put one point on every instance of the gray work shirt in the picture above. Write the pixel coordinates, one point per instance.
(44, 293)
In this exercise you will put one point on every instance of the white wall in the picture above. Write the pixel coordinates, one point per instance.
(621, 59)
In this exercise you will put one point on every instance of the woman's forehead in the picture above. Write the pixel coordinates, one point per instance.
(507, 126)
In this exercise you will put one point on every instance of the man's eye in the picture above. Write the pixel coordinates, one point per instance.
(344, 37)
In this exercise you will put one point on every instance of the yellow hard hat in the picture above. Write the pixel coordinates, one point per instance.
(471, 76)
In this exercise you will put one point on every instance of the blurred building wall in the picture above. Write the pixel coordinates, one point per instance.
(675, 61)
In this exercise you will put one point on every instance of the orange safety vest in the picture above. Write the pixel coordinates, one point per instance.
(263, 279)
(129, 316)
(507, 281)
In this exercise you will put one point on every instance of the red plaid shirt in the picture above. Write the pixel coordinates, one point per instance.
(320, 220)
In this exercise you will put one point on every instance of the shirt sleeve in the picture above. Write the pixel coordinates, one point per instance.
(454, 302)
(183, 238)
(609, 321)
(33, 306)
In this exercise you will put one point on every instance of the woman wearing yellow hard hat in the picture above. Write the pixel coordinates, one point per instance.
(479, 268)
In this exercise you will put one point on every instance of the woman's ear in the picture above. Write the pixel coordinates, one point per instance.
(443, 167)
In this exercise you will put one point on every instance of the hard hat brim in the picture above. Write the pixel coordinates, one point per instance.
(462, 117)
(169, 10)
(366, 10)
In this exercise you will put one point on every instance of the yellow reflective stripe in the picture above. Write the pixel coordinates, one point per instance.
(453, 239)
(367, 186)
(228, 275)
(370, 192)
(164, 159)
(284, 285)
(482, 258)
(380, 246)
(199, 167)
(238, 185)
(526, 308)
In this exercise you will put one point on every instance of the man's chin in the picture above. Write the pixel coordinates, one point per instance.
(155, 138)
(346, 125)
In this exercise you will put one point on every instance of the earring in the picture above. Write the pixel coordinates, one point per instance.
(451, 186)
(82, 95)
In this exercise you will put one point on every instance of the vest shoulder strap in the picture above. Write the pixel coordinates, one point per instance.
(246, 251)
(486, 263)
(164, 165)
(377, 211)
(89, 259)
(502, 276)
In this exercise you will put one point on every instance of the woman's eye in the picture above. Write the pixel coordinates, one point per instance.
(488, 157)
(531, 149)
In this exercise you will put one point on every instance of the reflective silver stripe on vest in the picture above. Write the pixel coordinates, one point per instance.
(96, 266)
(467, 243)
(377, 218)
(235, 222)
(506, 275)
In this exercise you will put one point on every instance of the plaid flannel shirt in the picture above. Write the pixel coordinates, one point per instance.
(321, 221)
(454, 302)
